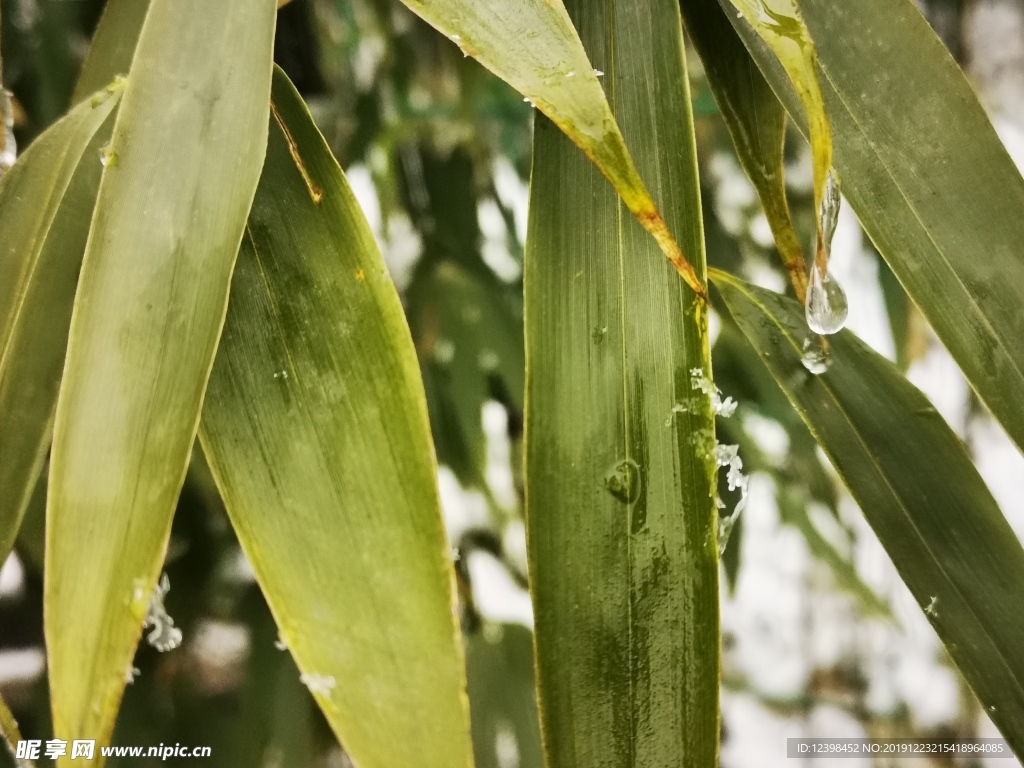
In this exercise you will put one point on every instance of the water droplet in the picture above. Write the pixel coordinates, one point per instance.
(9, 151)
(815, 359)
(677, 408)
(280, 644)
(623, 481)
(599, 333)
(321, 684)
(108, 157)
(165, 636)
(826, 306)
(130, 674)
(930, 608)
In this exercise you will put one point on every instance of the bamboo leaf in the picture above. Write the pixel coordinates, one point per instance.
(9, 729)
(468, 339)
(533, 46)
(917, 488)
(620, 507)
(756, 121)
(499, 665)
(316, 430)
(180, 176)
(793, 511)
(945, 209)
(113, 45)
(46, 203)
(782, 27)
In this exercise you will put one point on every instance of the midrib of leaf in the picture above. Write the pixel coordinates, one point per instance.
(626, 448)
(904, 512)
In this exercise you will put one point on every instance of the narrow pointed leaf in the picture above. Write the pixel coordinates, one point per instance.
(185, 157)
(794, 512)
(499, 666)
(917, 488)
(619, 487)
(46, 203)
(113, 45)
(9, 728)
(468, 337)
(756, 121)
(781, 26)
(316, 429)
(534, 47)
(945, 209)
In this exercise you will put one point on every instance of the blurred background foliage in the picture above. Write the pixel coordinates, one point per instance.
(438, 152)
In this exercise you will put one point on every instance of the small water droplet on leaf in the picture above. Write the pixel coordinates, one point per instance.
(108, 157)
(623, 481)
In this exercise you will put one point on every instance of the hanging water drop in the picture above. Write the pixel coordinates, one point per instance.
(8, 147)
(815, 359)
(826, 307)
(623, 481)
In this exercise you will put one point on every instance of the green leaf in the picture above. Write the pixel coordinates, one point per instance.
(781, 26)
(466, 323)
(181, 172)
(316, 430)
(756, 121)
(113, 45)
(793, 511)
(533, 46)
(945, 209)
(46, 203)
(467, 337)
(917, 488)
(499, 664)
(9, 728)
(620, 507)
